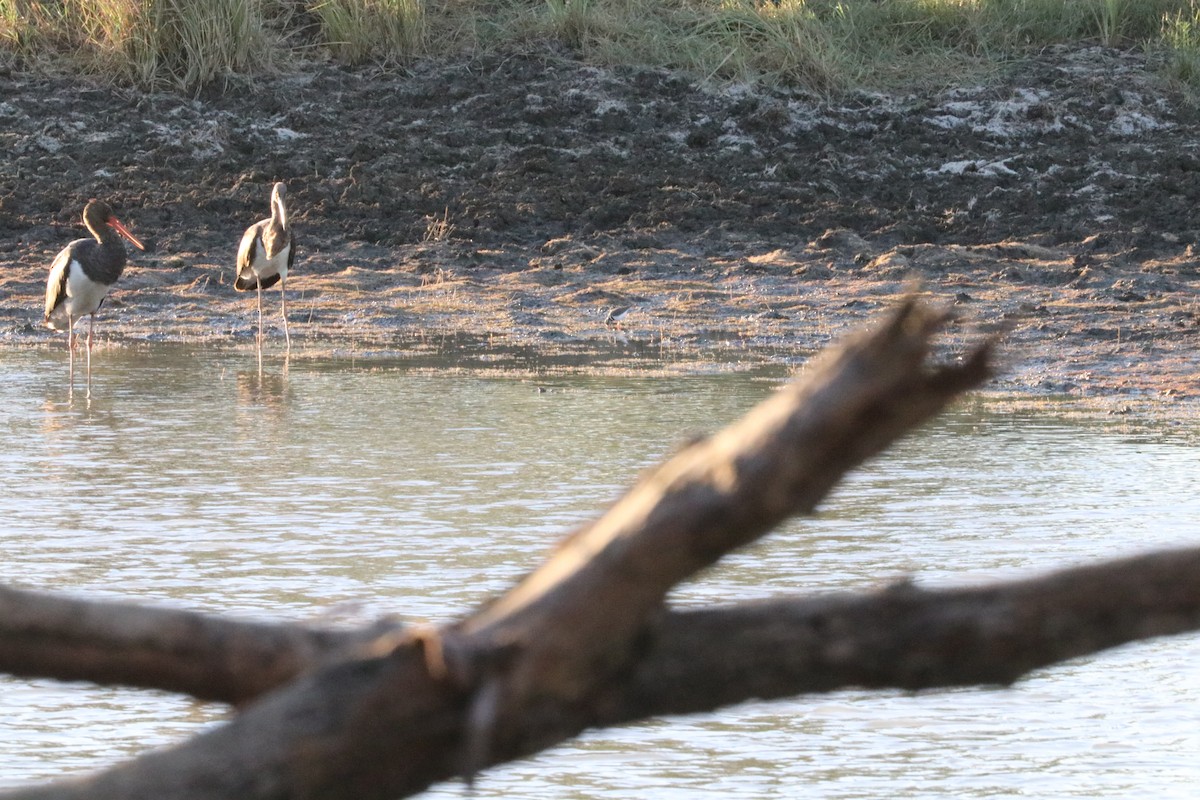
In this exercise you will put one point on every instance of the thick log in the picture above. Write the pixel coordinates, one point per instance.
(382, 727)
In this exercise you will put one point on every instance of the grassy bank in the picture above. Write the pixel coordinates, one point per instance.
(826, 45)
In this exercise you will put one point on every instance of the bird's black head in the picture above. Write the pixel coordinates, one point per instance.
(97, 214)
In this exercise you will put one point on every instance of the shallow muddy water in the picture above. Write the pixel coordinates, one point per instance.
(337, 490)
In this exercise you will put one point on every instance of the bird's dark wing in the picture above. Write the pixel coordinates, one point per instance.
(244, 278)
(60, 270)
(245, 256)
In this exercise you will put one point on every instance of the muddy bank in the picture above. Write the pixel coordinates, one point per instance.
(522, 200)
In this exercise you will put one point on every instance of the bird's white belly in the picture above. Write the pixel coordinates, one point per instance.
(83, 297)
(264, 267)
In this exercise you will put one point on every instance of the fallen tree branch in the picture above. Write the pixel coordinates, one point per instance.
(381, 727)
(585, 639)
(905, 637)
(577, 620)
(535, 661)
(205, 656)
(902, 637)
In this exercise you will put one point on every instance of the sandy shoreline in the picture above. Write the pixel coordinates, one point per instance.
(1060, 343)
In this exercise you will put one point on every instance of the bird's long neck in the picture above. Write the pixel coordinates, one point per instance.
(108, 238)
(110, 266)
(278, 211)
(103, 234)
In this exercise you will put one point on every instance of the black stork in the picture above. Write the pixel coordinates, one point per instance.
(84, 271)
(265, 256)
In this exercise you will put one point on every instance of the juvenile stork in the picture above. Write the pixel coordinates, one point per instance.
(265, 256)
(83, 272)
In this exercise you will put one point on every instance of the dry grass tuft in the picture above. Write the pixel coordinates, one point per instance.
(438, 229)
(177, 44)
(824, 45)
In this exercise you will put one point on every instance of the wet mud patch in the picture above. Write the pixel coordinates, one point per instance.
(530, 200)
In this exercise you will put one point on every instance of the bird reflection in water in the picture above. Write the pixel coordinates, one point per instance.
(54, 420)
(259, 387)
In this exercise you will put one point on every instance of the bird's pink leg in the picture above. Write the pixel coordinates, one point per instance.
(260, 335)
(283, 310)
(91, 324)
(70, 358)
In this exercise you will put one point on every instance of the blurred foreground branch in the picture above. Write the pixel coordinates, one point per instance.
(586, 639)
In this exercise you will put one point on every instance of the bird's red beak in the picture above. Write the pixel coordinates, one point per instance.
(116, 223)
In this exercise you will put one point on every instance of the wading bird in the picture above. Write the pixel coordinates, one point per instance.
(83, 272)
(265, 256)
(615, 315)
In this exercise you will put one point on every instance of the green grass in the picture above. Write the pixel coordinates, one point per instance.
(826, 45)
(383, 31)
(1180, 42)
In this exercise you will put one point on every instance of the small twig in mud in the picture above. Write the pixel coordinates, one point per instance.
(440, 276)
(198, 285)
(438, 229)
